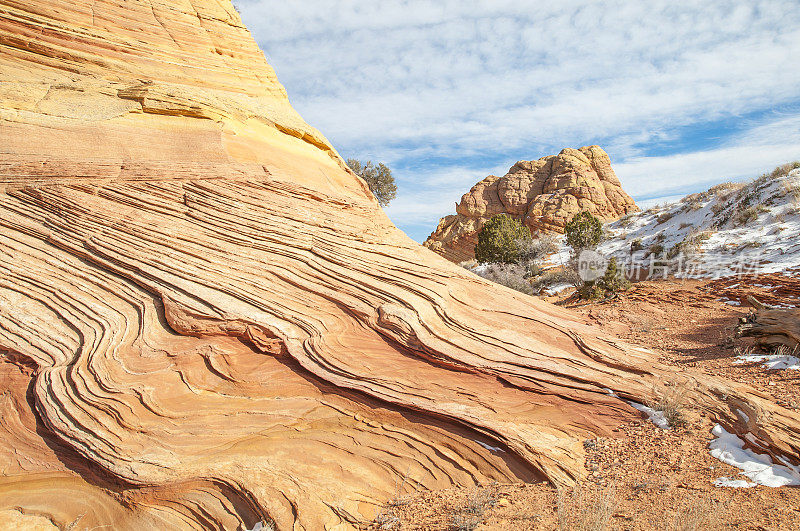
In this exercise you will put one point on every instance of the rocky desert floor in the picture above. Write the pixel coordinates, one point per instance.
(646, 477)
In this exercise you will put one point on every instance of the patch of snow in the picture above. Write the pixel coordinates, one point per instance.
(490, 447)
(745, 417)
(731, 302)
(558, 288)
(656, 417)
(771, 361)
(759, 468)
(609, 392)
(764, 244)
(480, 268)
(734, 483)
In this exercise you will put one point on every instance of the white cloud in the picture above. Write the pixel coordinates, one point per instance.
(414, 81)
(744, 156)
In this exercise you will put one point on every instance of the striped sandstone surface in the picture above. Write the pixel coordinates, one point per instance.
(206, 321)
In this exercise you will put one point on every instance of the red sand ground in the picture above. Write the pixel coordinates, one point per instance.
(645, 478)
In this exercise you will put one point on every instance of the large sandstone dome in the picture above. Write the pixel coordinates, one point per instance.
(543, 194)
(206, 321)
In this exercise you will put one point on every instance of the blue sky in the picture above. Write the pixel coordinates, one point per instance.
(681, 95)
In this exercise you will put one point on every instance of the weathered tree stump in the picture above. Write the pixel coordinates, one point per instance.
(772, 327)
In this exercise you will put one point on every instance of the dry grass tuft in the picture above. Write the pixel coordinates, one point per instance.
(462, 522)
(792, 189)
(744, 351)
(783, 350)
(470, 515)
(725, 190)
(671, 401)
(698, 514)
(586, 510)
(663, 218)
(626, 220)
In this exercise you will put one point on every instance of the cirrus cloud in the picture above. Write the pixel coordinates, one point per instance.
(679, 93)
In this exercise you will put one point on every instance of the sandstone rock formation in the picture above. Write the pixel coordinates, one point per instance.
(207, 321)
(543, 194)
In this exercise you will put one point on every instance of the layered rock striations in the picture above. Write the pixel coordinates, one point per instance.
(543, 194)
(206, 321)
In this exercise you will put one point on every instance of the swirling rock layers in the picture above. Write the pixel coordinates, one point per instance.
(206, 320)
(543, 194)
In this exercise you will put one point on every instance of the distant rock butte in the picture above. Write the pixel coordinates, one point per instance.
(206, 320)
(543, 194)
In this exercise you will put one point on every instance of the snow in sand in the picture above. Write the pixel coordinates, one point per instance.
(759, 469)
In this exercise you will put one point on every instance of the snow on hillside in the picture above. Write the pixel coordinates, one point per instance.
(729, 229)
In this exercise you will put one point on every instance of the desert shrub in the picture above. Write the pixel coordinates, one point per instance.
(656, 249)
(746, 215)
(660, 237)
(691, 198)
(745, 196)
(479, 500)
(663, 218)
(613, 280)
(719, 206)
(753, 244)
(533, 250)
(636, 245)
(565, 275)
(611, 283)
(690, 245)
(591, 291)
(379, 179)
(693, 202)
(524, 254)
(537, 248)
(674, 251)
(584, 231)
(625, 221)
(684, 225)
(725, 190)
(792, 189)
(500, 240)
(514, 276)
(783, 170)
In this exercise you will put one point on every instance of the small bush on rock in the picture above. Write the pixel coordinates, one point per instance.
(584, 231)
(379, 179)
